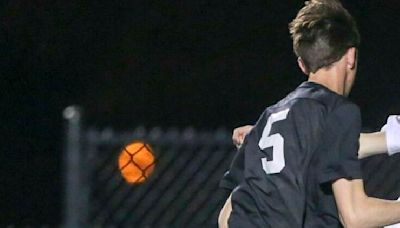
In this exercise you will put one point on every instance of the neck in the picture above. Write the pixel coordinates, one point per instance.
(332, 78)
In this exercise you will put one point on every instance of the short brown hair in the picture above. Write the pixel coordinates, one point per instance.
(322, 32)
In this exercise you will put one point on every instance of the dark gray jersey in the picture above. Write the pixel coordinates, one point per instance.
(282, 175)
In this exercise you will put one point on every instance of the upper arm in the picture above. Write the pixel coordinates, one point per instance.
(225, 213)
(349, 197)
(356, 209)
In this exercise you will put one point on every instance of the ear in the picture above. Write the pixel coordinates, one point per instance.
(302, 66)
(351, 58)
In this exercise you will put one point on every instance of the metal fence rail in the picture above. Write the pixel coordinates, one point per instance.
(183, 189)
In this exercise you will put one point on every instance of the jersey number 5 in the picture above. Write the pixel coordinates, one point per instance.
(275, 141)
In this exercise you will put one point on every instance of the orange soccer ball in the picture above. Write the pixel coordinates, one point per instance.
(136, 162)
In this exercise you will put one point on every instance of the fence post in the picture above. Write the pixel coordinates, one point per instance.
(74, 214)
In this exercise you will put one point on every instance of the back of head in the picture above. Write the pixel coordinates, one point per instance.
(322, 32)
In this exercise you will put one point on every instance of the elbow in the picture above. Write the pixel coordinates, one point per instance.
(352, 221)
(354, 218)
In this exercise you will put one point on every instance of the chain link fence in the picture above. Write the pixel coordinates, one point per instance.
(181, 192)
(183, 189)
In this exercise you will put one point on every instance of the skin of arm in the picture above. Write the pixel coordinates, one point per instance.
(356, 209)
(370, 143)
(225, 213)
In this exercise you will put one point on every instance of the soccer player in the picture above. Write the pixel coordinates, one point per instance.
(298, 166)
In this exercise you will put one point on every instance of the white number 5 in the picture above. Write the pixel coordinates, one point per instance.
(275, 141)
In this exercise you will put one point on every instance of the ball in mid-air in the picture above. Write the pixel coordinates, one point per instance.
(136, 162)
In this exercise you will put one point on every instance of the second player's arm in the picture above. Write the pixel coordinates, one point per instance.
(372, 144)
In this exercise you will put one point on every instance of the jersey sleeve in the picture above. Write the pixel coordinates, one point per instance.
(234, 175)
(340, 143)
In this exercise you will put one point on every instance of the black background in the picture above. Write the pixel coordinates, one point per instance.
(156, 63)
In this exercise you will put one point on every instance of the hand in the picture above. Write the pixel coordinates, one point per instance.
(392, 129)
(239, 134)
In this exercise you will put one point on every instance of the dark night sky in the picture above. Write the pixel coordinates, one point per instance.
(156, 63)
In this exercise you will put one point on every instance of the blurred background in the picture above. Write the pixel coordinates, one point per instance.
(193, 68)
